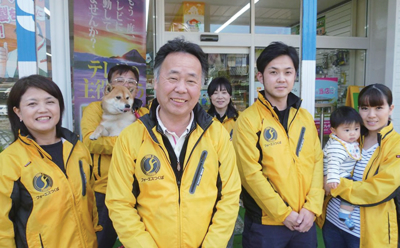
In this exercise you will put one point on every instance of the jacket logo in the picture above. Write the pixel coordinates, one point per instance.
(270, 134)
(42, 182)
(150, 165)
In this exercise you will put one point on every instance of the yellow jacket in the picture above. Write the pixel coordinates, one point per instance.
(375, 193)
(45, 207)
(101, 149)
(152, 204)
(275, 179)
(229, 120)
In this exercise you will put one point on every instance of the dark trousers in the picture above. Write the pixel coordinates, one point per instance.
(259, 236)
(336, 237)
(107, 237)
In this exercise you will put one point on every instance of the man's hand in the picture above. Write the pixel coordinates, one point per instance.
(291, 221)
(305, 220)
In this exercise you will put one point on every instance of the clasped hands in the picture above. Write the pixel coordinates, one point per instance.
(301, 222)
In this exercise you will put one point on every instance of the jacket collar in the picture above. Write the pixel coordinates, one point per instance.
(230, 113)
(292, 100)
(201, 118)
(65, 134)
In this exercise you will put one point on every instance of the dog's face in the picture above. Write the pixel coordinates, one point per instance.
(117, 99)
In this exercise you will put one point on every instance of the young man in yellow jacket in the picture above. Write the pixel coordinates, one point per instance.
(173, 180)
(279, 158)
(101, 149)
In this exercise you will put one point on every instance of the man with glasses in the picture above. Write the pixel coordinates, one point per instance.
(101, 148)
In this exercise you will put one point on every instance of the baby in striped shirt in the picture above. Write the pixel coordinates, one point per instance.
(341, 153)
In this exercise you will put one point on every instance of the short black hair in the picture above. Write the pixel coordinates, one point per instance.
(19, 89)
(274, 50)
(121, 69)
(374, 95)
(219, 82)
(180, 45)
(345, 115)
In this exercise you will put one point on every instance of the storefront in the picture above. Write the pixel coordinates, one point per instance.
(357, 43)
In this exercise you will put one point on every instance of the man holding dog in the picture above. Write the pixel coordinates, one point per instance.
(173, 180)
(101, 149)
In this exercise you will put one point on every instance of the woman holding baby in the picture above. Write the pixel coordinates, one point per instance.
(376, 179)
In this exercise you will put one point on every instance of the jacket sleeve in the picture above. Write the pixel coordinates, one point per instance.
(245, 141)
(315, 196)
(335, 155)
(376, 188)
(120, 201)
(142, 111)
(224, 219)
(7, 175)
(91, 118)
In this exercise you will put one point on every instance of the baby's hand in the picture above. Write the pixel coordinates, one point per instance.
(332, 185)
(329, 186)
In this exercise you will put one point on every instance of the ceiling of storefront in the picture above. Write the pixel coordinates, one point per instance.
(281, 13)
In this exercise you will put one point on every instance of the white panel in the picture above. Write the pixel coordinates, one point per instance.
(338, 21)
(392, 75)
(27, 68)
(308, 85)
(60, 59)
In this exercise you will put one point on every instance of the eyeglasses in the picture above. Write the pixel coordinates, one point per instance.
(130, 81)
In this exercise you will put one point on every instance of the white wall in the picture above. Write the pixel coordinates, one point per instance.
(377, 33)
(392, 76)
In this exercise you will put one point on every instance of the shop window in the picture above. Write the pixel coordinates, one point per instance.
(336, 71)
(234, 67)
(225, 16)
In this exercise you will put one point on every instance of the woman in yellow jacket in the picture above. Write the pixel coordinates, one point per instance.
(222, 109)
(376, 180)
(46, 182)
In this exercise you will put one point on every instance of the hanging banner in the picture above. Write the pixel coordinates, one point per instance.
(106, 33)
(41, 36)
(8, 40)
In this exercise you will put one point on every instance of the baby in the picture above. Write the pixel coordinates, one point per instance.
(341, 153)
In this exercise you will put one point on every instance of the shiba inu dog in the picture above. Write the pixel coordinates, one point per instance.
(117, 111)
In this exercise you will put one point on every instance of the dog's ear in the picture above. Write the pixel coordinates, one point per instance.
(108, 89)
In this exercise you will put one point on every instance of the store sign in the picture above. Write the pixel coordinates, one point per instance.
(326, 95)
(106, 33)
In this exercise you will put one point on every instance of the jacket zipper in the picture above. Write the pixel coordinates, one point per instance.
(41, 241)
(83, 177)
(389, 227)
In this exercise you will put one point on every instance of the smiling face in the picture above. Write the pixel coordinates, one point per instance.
(40, 112)
(278, 80)
(349, 132)
(178, 86)
(126, 79)
(376, 118)
(220, 99)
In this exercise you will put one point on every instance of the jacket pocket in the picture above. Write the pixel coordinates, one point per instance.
(83, 177)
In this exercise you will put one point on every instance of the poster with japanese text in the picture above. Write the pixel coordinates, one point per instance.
(8, 41)
(106, 33)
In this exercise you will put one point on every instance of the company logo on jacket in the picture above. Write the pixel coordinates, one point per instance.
(42, 182)
(271, 135)
(151, 165)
